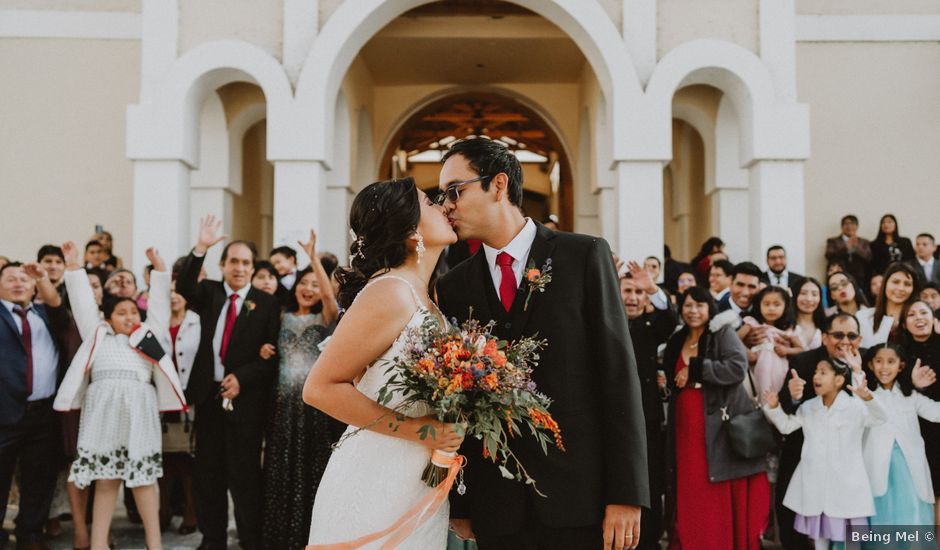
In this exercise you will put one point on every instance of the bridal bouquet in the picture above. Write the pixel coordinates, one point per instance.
(469, 377)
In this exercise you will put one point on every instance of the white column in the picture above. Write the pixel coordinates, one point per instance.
(161, 209)
(640, 209)
(731, 211)
(777, 210)
(297, 199)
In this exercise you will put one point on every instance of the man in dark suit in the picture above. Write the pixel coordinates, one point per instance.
(30, 371)
(229, 387)
(652, 321)
(745, 284)
(777, 273)
(924, 262)
(284, 260)
(853, 251)
(596, 488)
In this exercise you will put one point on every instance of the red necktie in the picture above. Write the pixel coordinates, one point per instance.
(27, 335)
(230, 317)
(508, 286)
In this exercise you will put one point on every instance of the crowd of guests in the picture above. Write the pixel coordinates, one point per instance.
(841, 370)
(187, 390)
(103, 382)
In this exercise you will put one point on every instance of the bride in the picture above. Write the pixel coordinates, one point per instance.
(374, 476)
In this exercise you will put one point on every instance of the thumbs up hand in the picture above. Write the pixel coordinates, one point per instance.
(796, 385)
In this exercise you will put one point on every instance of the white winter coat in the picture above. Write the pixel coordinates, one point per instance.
(93, 331)
(901, 426)
(831, 476)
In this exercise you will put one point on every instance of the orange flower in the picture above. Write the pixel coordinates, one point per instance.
(500, 359)
(491, 381)
(543, 419)
(532, 274)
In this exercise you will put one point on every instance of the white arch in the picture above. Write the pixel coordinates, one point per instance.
(354, 23)
(167, 127)
(769, 130)
(524, 100)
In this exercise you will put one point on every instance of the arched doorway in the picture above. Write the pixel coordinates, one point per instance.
(419, 143)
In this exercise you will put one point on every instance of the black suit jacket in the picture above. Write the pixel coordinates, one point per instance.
(648, 332)
(13, 393)
(257, 324)
(588, 370)
(794, 282)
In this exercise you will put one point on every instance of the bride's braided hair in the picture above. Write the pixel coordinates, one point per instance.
(383, 216)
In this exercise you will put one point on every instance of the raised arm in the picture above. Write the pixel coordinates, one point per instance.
(158, 304)
(327, 298)
(927, 408)
(82, 298)
(785, 423)
(187, 284)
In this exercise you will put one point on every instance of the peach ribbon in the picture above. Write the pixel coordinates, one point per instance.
(413, 518)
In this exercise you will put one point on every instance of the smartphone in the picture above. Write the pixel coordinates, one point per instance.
(99, 228)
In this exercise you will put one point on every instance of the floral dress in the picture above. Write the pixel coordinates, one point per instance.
(119, 436)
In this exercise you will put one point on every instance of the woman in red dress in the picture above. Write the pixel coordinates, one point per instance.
(718, 499)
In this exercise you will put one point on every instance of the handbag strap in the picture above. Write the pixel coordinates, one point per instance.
(725, 416)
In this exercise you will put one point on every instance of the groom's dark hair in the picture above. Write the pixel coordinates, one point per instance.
(488, 158)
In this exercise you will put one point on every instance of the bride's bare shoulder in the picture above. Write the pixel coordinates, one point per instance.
(385, 299)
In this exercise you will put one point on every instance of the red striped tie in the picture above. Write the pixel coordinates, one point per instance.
(508, 285)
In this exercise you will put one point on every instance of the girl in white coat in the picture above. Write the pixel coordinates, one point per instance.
(121, 378)
(829, 490)
(894, 451)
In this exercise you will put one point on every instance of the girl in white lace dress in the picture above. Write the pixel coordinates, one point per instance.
(120, 378)
(374, 477)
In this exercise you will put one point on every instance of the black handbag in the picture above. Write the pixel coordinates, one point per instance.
(749, 432)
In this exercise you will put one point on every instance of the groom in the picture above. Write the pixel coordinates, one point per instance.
(596, 488)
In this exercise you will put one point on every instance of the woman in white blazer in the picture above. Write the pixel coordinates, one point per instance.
(894, 450)
(121, 378)
(178, 434)
(829, 490)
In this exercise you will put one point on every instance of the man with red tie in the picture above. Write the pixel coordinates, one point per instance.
(537, 282)
(30, 371)
(229, 386)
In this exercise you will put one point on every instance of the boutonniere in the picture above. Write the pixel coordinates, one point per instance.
(250, 306)
(537, 279)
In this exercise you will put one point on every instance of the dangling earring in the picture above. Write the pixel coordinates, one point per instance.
(420, 248)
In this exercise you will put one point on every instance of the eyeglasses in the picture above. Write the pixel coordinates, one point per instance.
(839, 285)
(843, 335)
(452, 193)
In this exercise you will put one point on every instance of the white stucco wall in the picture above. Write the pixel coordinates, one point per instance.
(62, 162)
(875, 124)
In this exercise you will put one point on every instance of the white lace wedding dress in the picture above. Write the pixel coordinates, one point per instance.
(372, 479)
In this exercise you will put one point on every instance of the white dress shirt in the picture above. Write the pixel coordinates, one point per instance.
(518, 248)
(287, 281)
(220, 326)
(45, 354)
(927, 267)
(783, 279)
